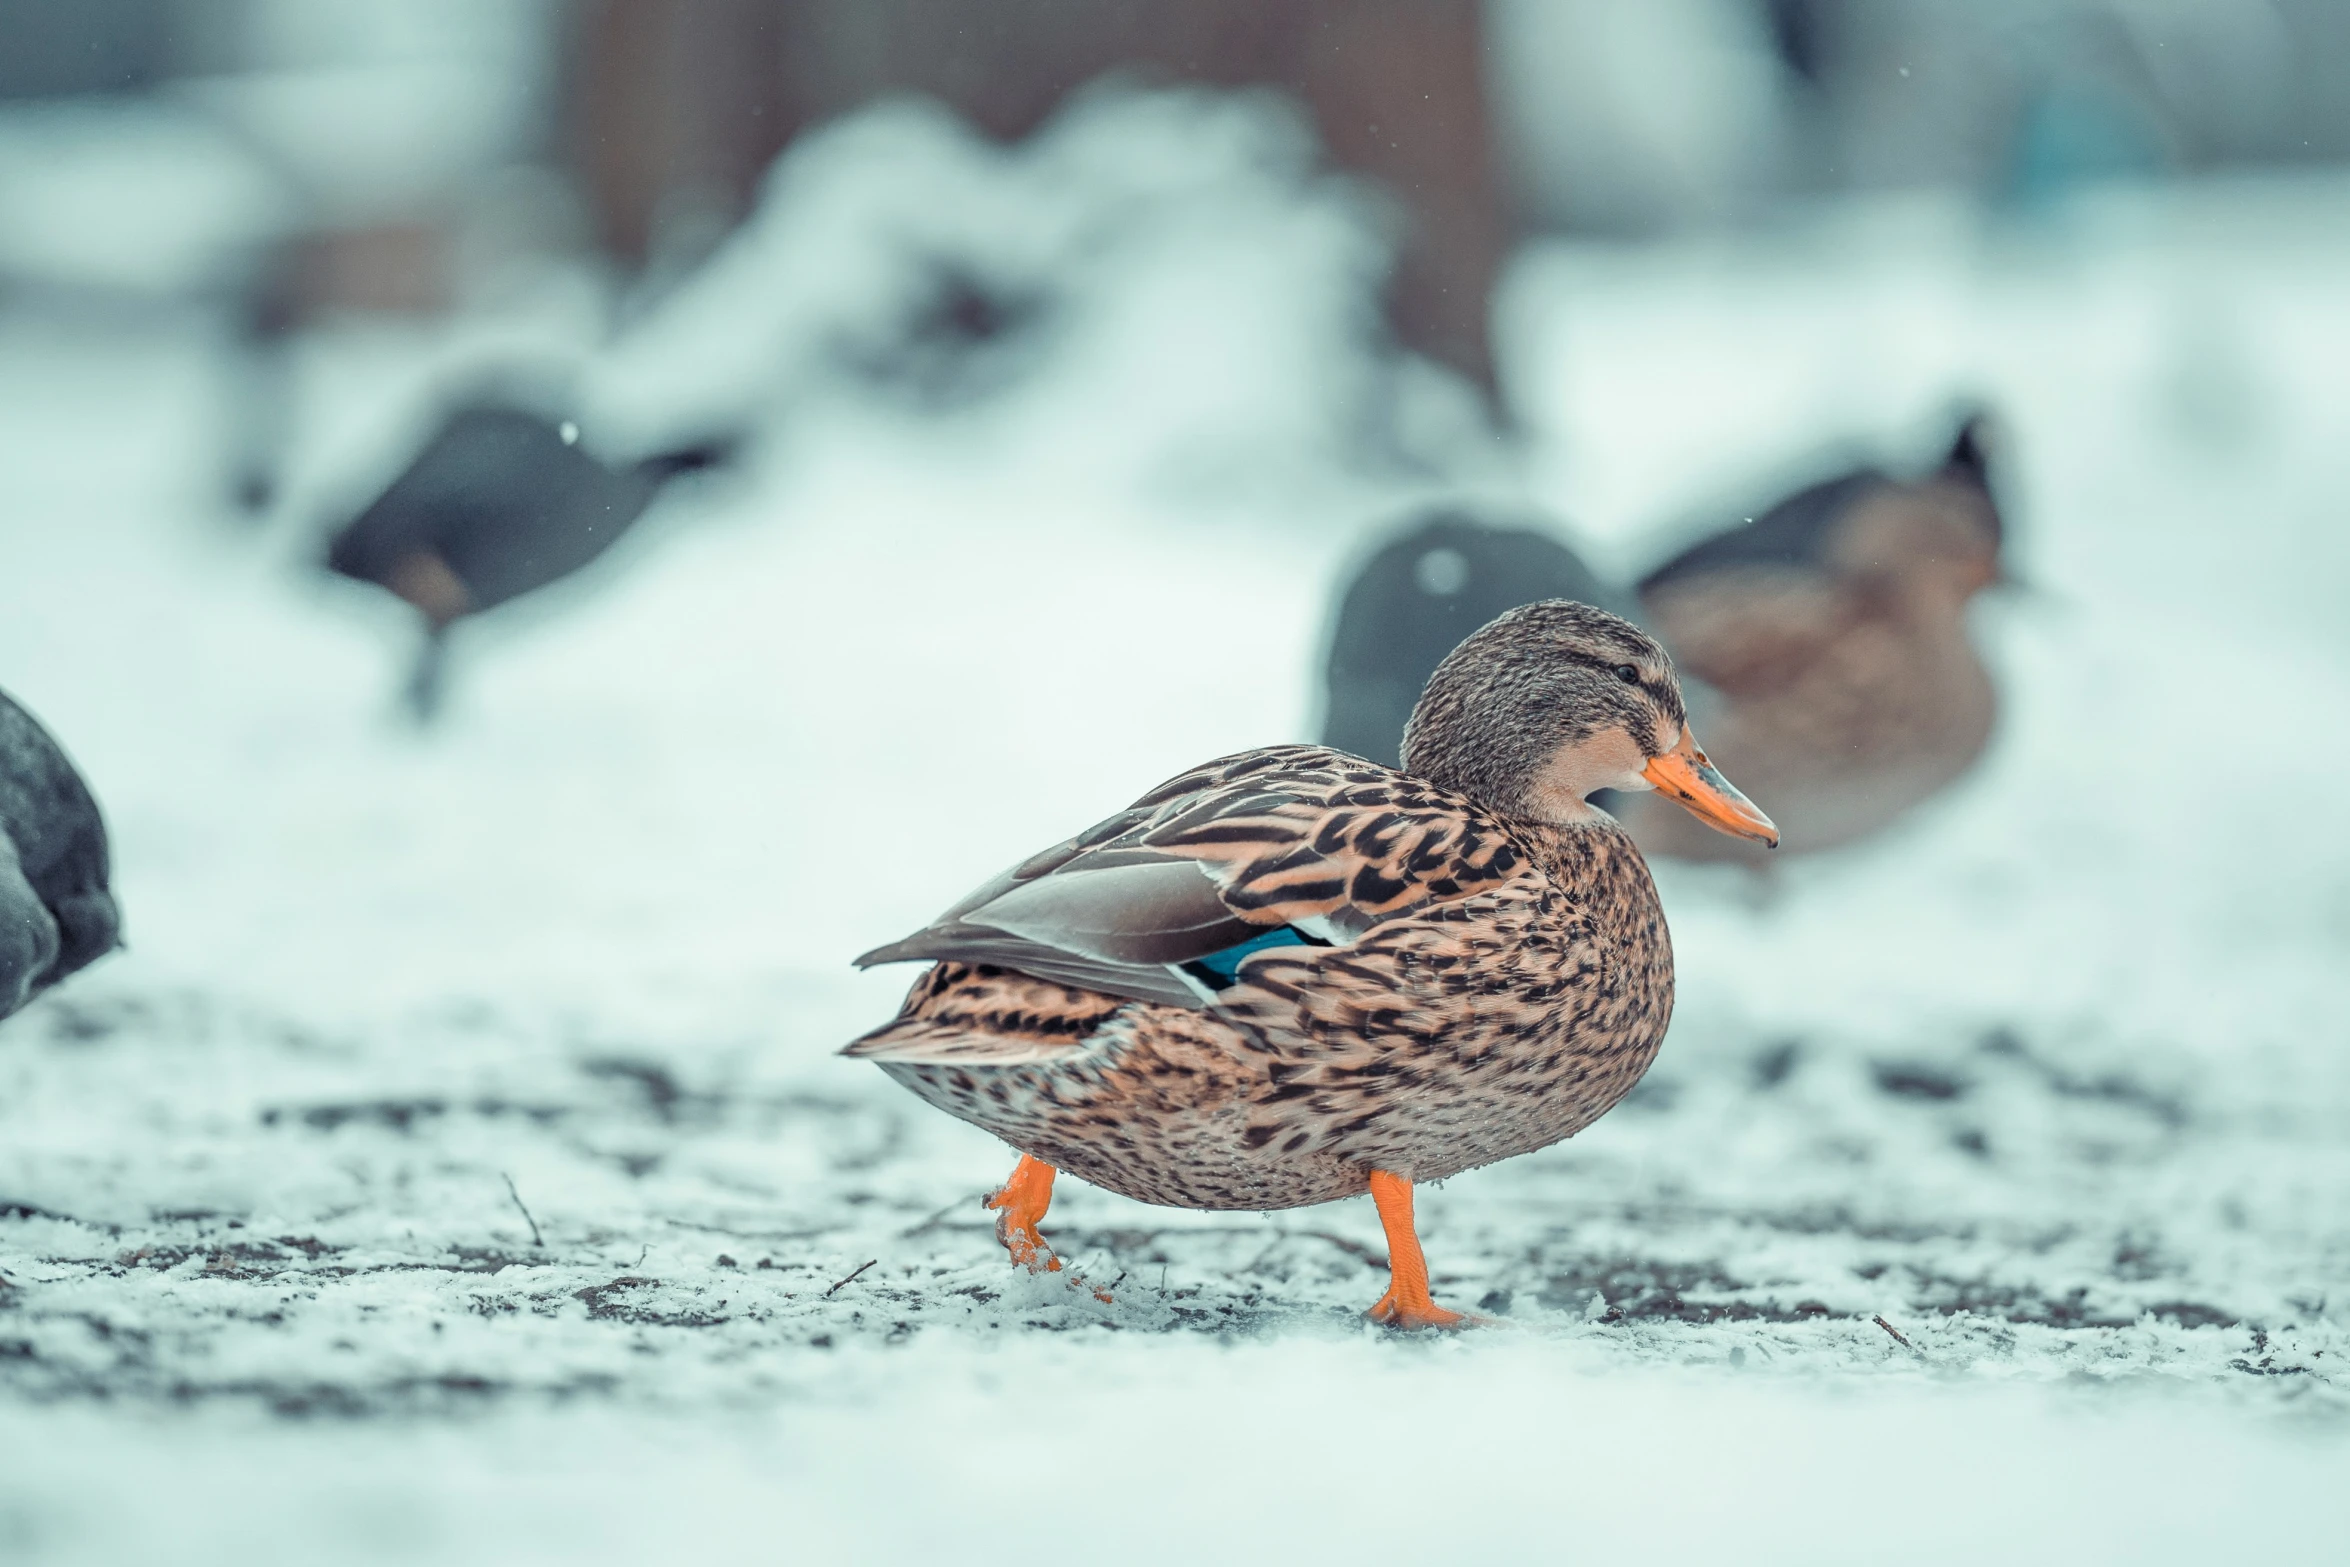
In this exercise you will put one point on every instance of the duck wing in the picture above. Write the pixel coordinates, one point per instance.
(1795, 534)
(1289, 846)
(1119, 927)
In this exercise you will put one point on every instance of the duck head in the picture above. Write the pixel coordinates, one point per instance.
(1554, 701)
(1933, 545)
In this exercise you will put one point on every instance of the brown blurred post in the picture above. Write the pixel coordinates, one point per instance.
(1397, 90)
(687, 101)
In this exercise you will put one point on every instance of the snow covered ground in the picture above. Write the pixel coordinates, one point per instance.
(456, 1165)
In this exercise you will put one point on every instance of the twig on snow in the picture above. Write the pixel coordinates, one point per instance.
(536, 1239)
(1376, 1261)
(931, 1223)
(837, 1283)
(1897, 1338)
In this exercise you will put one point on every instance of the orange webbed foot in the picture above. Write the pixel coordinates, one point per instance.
(1020, 1206)
(1407, 1304)
(1413, 1316)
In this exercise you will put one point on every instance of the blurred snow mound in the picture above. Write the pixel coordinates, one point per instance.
(146, 198)
(1179, 253)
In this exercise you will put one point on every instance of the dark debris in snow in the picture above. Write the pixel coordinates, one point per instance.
(375, 1252)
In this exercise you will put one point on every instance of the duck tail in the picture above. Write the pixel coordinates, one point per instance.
(717, 452)
(910, 1041)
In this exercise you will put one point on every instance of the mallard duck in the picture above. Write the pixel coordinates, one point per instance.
(1436, 579)
(1833, 630)
(1290, 975)
(500, 502)
(56, 912)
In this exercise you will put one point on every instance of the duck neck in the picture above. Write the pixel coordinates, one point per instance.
(1563, 842)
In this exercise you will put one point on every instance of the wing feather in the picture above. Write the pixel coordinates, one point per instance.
(1157, 911)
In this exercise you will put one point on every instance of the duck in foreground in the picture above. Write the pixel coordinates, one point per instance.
(1290, 975)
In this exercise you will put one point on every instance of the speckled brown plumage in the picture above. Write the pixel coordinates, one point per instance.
(1292, 975)
(1505, 983)
(1833, 630)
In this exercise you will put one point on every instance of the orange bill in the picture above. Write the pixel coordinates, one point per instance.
(1684, 774)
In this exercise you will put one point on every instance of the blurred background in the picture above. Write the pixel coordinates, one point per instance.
(277, 171)
(549, 525)
(695, 387)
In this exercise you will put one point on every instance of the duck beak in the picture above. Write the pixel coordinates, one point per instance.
(1685, 774)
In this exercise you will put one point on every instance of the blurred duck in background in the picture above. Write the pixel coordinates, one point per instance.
(56, 912)
(500, 502)
(1832, 632)
(1441, 577)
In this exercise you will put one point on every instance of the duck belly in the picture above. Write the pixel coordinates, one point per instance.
(1184, 1110)
(1155, 1107)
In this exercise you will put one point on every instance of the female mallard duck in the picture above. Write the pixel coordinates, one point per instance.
(1290, 975)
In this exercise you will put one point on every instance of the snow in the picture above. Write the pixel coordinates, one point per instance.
(150, 198)
(2052, 1080)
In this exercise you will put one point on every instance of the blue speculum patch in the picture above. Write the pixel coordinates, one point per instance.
(1221, 969)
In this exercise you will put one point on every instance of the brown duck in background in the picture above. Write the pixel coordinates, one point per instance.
(1832, 628)
(1290, 975)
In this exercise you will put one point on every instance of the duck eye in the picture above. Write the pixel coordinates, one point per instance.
(1628, 674)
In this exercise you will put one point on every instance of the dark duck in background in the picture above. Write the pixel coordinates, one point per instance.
(1831, 635)
(1429, 584)
(500, 502)
(57, 914)
(1291, 975)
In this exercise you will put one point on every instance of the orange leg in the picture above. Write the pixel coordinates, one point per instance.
(1406, 1303)
(1019, 1209)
